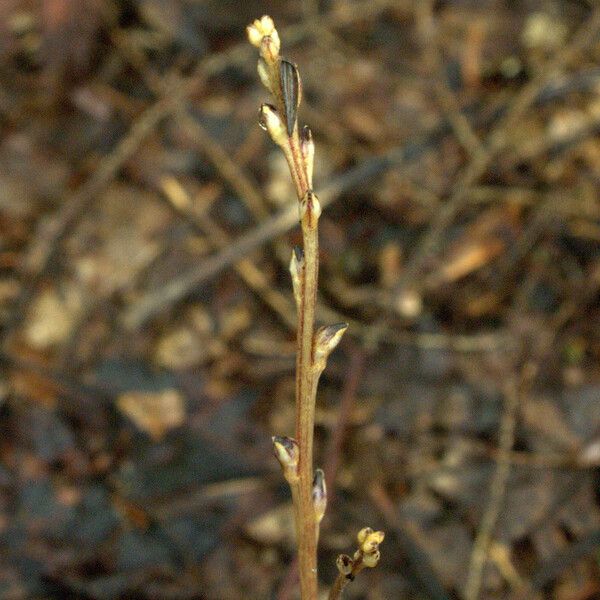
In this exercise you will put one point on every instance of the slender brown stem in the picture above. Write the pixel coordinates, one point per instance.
(306, 391)
(342, 580)
(338, 587)
(309, 495)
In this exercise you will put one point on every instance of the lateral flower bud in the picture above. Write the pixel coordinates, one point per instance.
(296, 267)
(271, 122)
(344, 565)
(307, 147)
(319, 494)
(287, 452)
(263, 73)
(310, 209)
(361, 536)
(326, 340)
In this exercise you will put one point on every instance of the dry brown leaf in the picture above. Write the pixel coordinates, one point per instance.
(53, 316)
(155, 413)
(274, 527)
(483, 240)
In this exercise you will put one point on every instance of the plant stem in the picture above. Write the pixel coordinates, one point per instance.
(307, 375)
(309, 495)
(306, 390)
(341, 581)
(335, 593)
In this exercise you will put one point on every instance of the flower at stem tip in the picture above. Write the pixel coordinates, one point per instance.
(262, 28)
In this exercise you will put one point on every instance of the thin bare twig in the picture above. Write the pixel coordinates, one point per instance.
(335, 449)
(514, 391)
(512, 395)
(252, 276)
(155, 301)
(497, 140)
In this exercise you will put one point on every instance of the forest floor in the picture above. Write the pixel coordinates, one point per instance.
(147, 322)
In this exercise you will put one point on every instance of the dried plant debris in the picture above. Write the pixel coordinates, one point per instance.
(457, 166)
(156, 413)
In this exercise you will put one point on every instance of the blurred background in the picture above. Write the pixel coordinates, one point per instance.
(147, 355)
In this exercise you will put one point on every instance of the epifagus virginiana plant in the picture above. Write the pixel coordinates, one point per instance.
(309, 495)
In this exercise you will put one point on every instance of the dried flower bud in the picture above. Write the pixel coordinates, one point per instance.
(310, 209)
(287, 453)
(296, 267)
(307, 147)
(270, 121)
(344, 564)
(291, 91)
(319, 494)
(326, 339)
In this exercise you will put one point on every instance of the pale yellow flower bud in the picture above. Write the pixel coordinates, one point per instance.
(369, 540)
(296, 267)
(270, 121)
(310, 209)
(361, 536)
(326, 340)
(307, 146)
(261, 28)
(287, 453)
(263, 73)
(266, 24)
(319, 495)
(254, 35)
(269, 49)
(371, 560)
